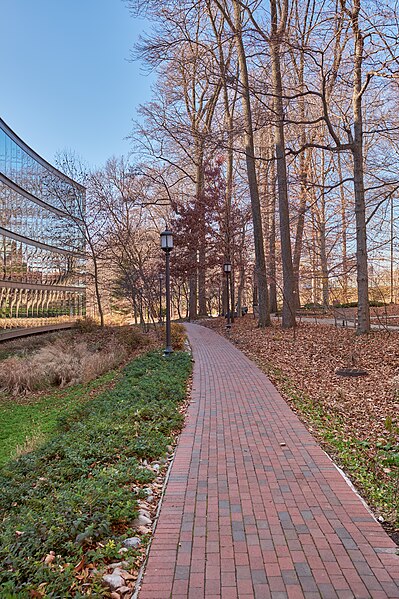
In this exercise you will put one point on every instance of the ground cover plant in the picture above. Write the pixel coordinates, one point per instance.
(382, 314)
(29, 420)
(356, 419)
(44, 376)
(67, 506)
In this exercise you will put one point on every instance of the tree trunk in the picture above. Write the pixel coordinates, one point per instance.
(97, 289)
(344, 237)
(314, 262)
(303, 179)
(321, 217)
(260, 264)
(288, 315)
(192, 301)
(303, 175)
(363, 309)
(323, 260)
(202, 310)
(271, 265)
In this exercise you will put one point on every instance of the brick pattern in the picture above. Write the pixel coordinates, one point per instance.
(254, 508)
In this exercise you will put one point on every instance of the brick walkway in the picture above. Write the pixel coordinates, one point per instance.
(253, 506)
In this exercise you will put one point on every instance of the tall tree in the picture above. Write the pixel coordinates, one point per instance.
(235, 22)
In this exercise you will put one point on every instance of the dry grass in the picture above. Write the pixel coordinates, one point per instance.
(31, 442)
(18, 376)
(70, 360)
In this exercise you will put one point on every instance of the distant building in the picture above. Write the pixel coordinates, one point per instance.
(42, 262)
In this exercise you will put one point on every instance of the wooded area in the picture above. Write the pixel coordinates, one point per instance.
(271, 142)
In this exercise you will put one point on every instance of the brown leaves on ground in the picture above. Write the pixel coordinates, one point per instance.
(309, 358)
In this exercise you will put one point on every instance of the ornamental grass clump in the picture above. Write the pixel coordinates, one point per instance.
(69, 360)
(17, 376)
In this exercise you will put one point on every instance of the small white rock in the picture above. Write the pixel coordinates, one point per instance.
(133, 542)
(141, 521)
(144, 530)
(119, 565)
(114, 580)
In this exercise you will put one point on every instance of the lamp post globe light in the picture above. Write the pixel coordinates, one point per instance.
(227, 270)
(167, 247)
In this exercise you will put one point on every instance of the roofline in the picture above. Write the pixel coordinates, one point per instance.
(36, 156)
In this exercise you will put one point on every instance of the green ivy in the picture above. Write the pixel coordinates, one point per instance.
(74, 495)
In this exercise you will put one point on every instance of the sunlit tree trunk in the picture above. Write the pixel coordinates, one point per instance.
(288, 314)
(363, 310)
(260, 264)
(343, 234)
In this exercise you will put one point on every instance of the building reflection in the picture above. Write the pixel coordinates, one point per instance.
(42, 262)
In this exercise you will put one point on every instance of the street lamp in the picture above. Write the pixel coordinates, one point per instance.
(160, 296)
(167, 246)
(227, 270)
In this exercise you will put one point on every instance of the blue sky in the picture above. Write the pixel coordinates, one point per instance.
(67, 82)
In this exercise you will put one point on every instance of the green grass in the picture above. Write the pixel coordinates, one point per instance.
(26, 421)
(77, 494)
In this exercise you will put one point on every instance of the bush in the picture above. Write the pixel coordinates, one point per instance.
(77, 494)
(17, 376)
(372, 303)
(312, 306)
(131, 337)
(86, 325)
(178, 336)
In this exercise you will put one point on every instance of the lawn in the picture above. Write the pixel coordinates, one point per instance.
(28, 421)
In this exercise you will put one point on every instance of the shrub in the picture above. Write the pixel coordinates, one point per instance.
(61, 364)
(312, 306)
(98, 363)
(86, 325)
(178, 336)
(17, 376)
(372, 303)
(131, 337)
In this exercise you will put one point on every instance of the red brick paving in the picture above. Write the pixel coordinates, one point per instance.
(253, 507)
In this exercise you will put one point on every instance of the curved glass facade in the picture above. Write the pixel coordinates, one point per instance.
(42, 263)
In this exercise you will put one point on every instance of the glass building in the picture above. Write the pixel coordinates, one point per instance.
(42, 262)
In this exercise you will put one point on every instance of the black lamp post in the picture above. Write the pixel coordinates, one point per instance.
(160, 297)
(227, 270)
(167, 246)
